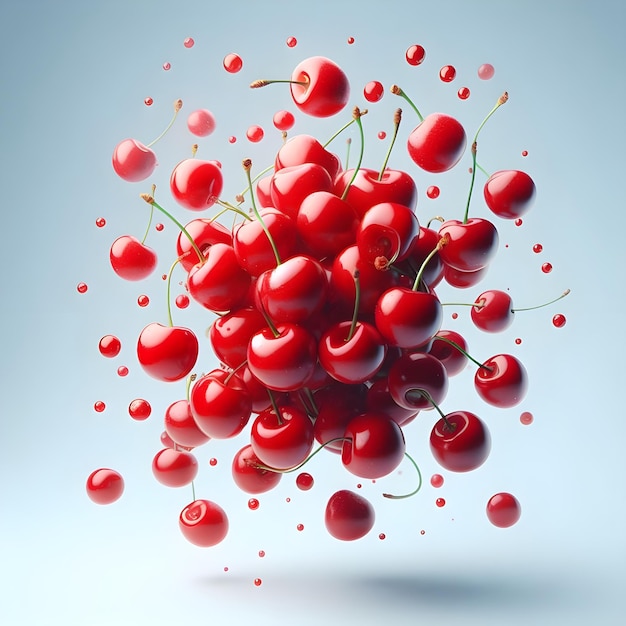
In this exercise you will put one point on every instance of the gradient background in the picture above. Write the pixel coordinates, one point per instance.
(74, 77)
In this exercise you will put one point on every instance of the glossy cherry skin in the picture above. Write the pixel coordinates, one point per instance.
(291, 185)
(132, 260)
(503, 510)
(285, 362)
(306, 149)
(461, 444)
(133, 161)
(353, 360)
(366, 190)
(450, 357)
(379, 399)
(105, 486)
(502, 382)
(509, 193)
(247, 474)
(463, 280)
(348, 516)
(174, 468)
(230, 333)
(181, 426)
(413, 373)
(326, 89)
(407, 318)
(437, 143)
(374, 445)
(283, 441)
(220, 407)
(167, 353)
(471, 245)
(195, 184)
(494, 313)
(427, 241)
(263, 193)
(205, 233)
(203, 523)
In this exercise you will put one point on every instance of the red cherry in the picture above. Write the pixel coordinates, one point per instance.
(463, 280)
(471, 245)
(196, 184)
(437, 143)
(133, 161)
(348, 516)
(205, 233)
(167, 353)
(181, 427)
(326, 89)
(509, 193)
(451, 358)
(502, 382)
(290, 186)
(302, 149)
(493, 312)
(247, 474)
(379, 399)
(105, 486)
(373, 446)
(460, 442)
(503, 510)
(132, 260)
(229, 335)
(203, 523)
(174, 468)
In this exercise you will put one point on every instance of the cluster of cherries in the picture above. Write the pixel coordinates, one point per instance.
(327, 321)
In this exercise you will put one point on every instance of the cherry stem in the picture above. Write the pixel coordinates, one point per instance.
(436, 407)
(150, 200)
(398, 92)
(274, 406)
(269, 168)
(356, 112)
(419, 483)
(357, 302)
(454, 344)
(230, 207)
(190, 379)
(436, 218)
(349, 144)
(145, 236)
(539, 306)
(178, 105)
(263, 83)
(169, 282)
(483, 170)
(297, 467)
(247, 165)
(440, 244)
(234, 371)
(347, 125)
(193, 491)
(397, 118)
(501, 100)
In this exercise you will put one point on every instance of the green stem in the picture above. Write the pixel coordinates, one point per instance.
(419, 483)
(398, 92)
(442, 242)
(454, 344)
(145, 236)
(357, 116)
(178, 105)
(262, 173)
(190, 379)
(540, 306)
(341, 130)
(396, 125)
(349, 144)
(169, 282)
(230, 207)
(193, 491)
(357, 302)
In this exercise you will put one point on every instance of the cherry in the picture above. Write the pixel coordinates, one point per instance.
(463, 280)
(493, 311)
(437, 143)
(503, 510)
(379, 399)
(131, 259)
(205, 233)
(248, 474)
(427, 241)
(167, 353)
(105, 486)
(373, 445)
(453, 359)
(195, 184)
(471, 245)
(509, 193)
(230, 333)
(282, 439)
(460, 441)
(133, 161)
(302, 149)
(203, 523)
(348, 516)
(502, 381)
(181, 426)
(174, 468)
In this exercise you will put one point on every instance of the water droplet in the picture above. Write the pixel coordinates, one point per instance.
(287, 500)
(415, 55)
(261, 553)
(350, 40)
(283, 120)
(253, 504)
(537, 248)
(159, 227)
(300, 527)
(188, 43)
(258, 582)
(455, 316)
(101, 222)
(382, 134)
(109, 346)
(139, 409)
(463, 93)
(382, 536)
(373, 91)
(526, 418)
(304, 481)
(518, 221)
(167, 66)
(82, 287)
(559, 320)
(524, 153)
(506, 245)
(518, 341)
(213, 462)
(440, 502)
(99, 406)
(143, 301)
(422, 532)
(232, 139)
(148, 101)
(225, 568)
(122, 370)
(182, 301)
(255, 134)
(359, 485)
(292, 42)
(436, 480)
(433, 192)
(163, 276)
(447, 73)
(486, 71)
(233, 63)
(546, 268)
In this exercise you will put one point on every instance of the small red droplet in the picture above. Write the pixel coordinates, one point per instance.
(463, 93)
(101, 222)
(164, 277)
(167, 66)
(537, 248)
(255, 134)
(284, 120)
(518, 221)
(82, 288)
(292, 42)
(300, 527)
(258, 582)
(109, 346)
(226, 568)
(436, 480)
(415, 55)
(382, 536)
(486, 71)
(518, 341)
(373, 91)
(182, 301)
(99, 406)
(422, 532)
(503, 510)
(526, 418)
(148, 101)
(359, 485)
(524, 153)
(559, 320)
(139, 409)
(261, 553)
(253, 504)
(546, 268)
(122, 370)
(232, 139)
(232, 63)
(304, 481)
(288, 500)
(455, 316)
(433, 192)
(143, 301)
(382, 134)
(213, 462)
(350, 40)
(447, 73)
(440, 502)
(159, 227)
(188, 43)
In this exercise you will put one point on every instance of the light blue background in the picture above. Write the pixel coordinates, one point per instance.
(74, 76)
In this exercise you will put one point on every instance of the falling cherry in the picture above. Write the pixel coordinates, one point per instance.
(122, 371)
(213, 462)
(524, 153)
(559, 320)
(182, 301)
(105, 486)
(304, 481)
(503, 510)
(159, 227)
(101, 222)
(283, 120)
(232, 139)
(537, 248)
(373, 91)
(201, 122)
(350, 40)
(440, 502)
(300, 527)
(258, 582)
(382, 536)
(526, 418)
(148, 101)
(518, 341)
(255, 134)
